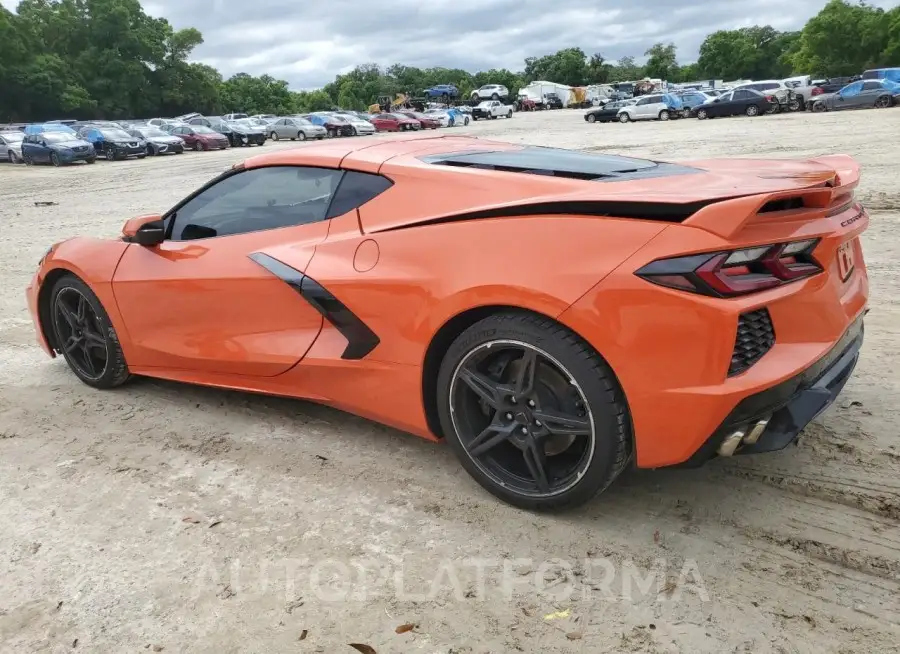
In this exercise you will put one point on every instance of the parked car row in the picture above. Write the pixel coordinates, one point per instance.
(63, 142)
(752, 99)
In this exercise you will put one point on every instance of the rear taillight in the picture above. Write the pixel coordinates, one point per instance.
(818, 90)
(735, 272)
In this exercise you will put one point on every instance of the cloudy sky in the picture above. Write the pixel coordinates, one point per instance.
(308, 43)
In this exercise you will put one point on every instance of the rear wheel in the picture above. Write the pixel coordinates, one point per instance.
(532, 412)
(664, 115)
(701, 114)
(197, 146)
(752, 110)
(883, 102)
(85, 335)
(301, 136)
(624, 117)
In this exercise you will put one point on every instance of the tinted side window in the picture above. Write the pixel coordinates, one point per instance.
(255, 200)
(742, 94)
(871, 86)
(355, 190)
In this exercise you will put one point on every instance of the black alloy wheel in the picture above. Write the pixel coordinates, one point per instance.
(84, 334)
(54, 159)
(110, 154)
(532, 412)
(883, 102)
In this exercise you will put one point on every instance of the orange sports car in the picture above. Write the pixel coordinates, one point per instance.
(554, 315)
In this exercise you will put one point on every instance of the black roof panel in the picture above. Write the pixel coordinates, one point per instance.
(558, 162)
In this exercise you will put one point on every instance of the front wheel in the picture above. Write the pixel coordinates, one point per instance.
(110, 155)
(664, 115)
(273, 136)
(592, 118)
(301, 136)
(54, 159)
(197, 146)
(533, 413)
(702, 114)
(84, 334)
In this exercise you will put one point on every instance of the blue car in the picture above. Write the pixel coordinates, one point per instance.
(443, 91)
(57, 148)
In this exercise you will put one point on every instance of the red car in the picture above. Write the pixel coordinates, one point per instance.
(200, 137)
(394, 122)
(428, 122)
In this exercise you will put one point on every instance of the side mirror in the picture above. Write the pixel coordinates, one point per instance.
(145, 230)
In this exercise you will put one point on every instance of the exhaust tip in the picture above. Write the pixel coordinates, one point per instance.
(730, 443)
(756, 431)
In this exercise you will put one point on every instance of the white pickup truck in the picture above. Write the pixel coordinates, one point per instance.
(492, 109)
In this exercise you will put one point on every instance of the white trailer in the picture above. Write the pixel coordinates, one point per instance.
(538, 91)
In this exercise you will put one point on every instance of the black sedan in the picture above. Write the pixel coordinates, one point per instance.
(607, 113)
(746, 102)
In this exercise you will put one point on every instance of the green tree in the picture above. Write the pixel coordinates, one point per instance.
(843, 39)
(661, 61)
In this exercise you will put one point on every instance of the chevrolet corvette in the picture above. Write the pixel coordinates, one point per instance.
(556, 316)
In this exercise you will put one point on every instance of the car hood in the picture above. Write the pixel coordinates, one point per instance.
(74, 143)
(704, 182)
(164, 140)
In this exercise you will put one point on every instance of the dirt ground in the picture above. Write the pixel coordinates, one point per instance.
(162, 517)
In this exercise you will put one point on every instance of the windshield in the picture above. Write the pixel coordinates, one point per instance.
(13, 137)
(115, 134)
(58, 137)
(149, 132)
(202, 129)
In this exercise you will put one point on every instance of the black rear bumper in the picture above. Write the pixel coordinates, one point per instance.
(791, 405)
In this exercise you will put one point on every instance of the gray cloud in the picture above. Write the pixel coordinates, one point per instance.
(309, 43)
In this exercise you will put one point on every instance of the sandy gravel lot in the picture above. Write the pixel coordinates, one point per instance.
(161, 517)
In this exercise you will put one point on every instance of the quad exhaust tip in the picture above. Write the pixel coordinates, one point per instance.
(735, 439)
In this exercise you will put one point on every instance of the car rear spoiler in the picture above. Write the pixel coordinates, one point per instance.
(832, 182)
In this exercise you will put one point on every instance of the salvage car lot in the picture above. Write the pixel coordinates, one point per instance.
(201, 520)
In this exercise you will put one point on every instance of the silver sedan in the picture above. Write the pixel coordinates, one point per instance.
(295, 128)
(11, 146)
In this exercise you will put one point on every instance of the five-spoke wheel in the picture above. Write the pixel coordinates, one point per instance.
(532, 412)
(82, 332)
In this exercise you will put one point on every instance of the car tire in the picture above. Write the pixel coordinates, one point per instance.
(13, 159)
(624, 117)
(686, 112)
(273, 136)
(301, 136)
(150, 151)
(54, 159)
(752, 110)
(27, 159)
(197, 146)
(663, 115)
(883, 102)
(509, 115)
(571, 386)
(592, 118)
(110, 155)
(86, 329)
(701, 114)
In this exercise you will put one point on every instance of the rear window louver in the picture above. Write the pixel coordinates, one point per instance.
(529, 171)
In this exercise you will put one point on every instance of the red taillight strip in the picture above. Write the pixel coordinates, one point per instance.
(708, 274)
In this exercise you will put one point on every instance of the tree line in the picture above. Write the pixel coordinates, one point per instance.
(109, 59)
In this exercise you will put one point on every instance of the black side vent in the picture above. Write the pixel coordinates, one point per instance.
(755, 336)
(782, 204)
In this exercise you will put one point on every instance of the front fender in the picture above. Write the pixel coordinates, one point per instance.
(94, 261)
